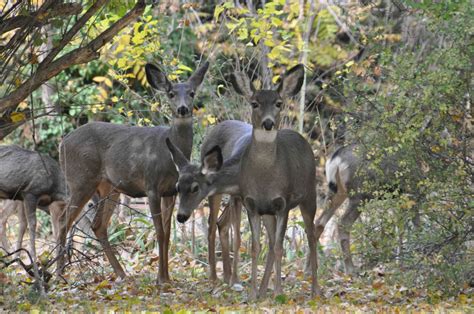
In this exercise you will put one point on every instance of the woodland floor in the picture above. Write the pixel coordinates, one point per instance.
(92, 287)
(191, 291)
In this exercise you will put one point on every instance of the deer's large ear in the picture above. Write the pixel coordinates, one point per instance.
(242, 84)
(198, 76)
(292, 81)
(157, 78)
(176, 155)
(212, 161)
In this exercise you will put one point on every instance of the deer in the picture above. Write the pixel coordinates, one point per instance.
(346, 171)
(217, 174)
(109, 159)
(37, 181)
(277, 173)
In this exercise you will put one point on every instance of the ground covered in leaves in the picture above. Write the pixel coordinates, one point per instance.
(88, 290)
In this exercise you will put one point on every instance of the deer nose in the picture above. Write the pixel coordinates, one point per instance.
(182, 111)
(268, 124)
(182, 218)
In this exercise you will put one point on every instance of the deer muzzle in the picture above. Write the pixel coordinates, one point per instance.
(182, 218)
(268, 124)
(183, 111)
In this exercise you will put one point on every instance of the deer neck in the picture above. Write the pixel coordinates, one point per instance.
(227, 179)
(181, 134)
(263, 147)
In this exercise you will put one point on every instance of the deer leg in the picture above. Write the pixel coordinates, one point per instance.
(101, 222)
(155, 209)
(214, 205)
(236, 217)
(331, 204)
(30, 203)
(223, 225)
(308, 212)
(344, 228)
(9, 208)
(270, 225)
(254, 220)
(281, 224)
(79, 198)
(21, 211)
(56, 209)
(167, 205)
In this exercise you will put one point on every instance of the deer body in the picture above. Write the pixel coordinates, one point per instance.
(37, 181)
(110, 159)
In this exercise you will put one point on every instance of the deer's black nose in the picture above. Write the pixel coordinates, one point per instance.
(268, 124)
(182, 218)
(182, 111)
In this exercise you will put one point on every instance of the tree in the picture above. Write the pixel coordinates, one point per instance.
(22, 29)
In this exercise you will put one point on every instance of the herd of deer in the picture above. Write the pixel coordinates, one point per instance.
(268, 170)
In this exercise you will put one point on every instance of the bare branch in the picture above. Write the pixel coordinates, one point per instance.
(64, 9)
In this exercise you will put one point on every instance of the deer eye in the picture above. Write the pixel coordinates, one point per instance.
(170, 94)
(191, 94)
(194, 187)
(177, 187)
(254, 104)
(278, 104)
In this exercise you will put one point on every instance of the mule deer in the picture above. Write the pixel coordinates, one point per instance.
(277, 173)
(346, 170)
(110, 159)
(36, 180)
(218, 174)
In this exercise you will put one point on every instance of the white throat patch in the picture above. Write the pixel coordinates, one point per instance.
(265, 136)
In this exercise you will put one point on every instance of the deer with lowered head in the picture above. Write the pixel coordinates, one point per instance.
(110, 159)
(217, 175)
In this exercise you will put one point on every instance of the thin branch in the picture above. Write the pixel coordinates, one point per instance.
(20, 21)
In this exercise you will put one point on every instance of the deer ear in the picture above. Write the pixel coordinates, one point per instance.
(177, 156)
(242, 84)
(212, 161)
(292, 81)
(198, 76)
(156, 78)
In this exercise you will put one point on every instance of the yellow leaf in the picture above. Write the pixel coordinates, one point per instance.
(17, 117)
(211, 119)
(23, 105)
(103, 284)
(349, 64)
(129, 113)
(99, 79)
(185, 68)
(114, 99)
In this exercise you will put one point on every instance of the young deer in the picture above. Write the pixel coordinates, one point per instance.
(217, 175)
(109, 159)
(277, 173)
(36, 180)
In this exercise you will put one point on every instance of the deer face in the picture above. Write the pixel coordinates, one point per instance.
(267, 104)
(195, 182)
(181, 95)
